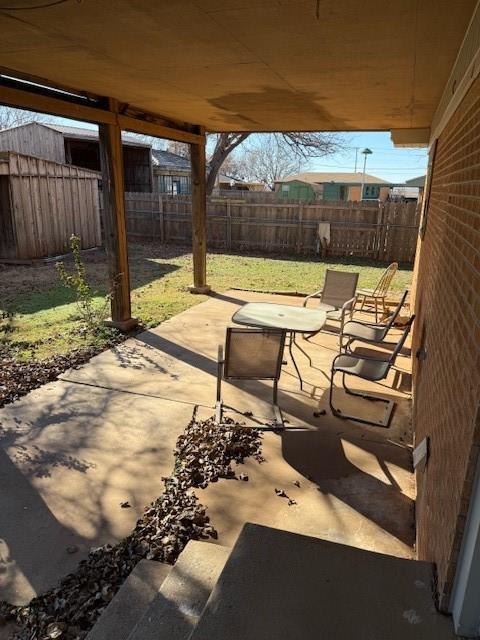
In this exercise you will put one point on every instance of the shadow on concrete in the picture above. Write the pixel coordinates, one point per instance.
(322, 460)
(32, 541)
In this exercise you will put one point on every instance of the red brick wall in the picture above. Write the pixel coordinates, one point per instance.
(447, 304)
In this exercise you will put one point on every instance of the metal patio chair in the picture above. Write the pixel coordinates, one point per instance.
(371, 333)
(251, 354)
(370, 369)
(372, 297)
(338, 296)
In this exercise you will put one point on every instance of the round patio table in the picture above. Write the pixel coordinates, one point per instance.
(290, 318)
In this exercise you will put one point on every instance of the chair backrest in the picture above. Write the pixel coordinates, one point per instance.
(401, 341)
(339, 287)
(397, 310)
(383, 284)
(254, 354)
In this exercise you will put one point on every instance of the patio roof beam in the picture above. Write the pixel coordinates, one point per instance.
(36, 97)
(199, 218)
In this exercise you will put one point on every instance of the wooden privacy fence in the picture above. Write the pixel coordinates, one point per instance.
(42, 203)
(382, 231)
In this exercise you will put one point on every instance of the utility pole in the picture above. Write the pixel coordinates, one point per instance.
(356, 156)
(366, 152)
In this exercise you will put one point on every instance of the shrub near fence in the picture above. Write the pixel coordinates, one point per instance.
(381, 231)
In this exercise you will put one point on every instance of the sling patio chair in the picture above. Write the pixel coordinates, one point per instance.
(337, 298)
(370, 369)
(371, 333)
(251, 354)
(372, 297)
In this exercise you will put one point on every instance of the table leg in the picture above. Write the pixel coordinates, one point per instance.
(291, 341)
(302, 350)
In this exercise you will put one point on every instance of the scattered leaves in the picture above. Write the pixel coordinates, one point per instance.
(204, 453)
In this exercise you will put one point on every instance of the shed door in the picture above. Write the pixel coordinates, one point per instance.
(7, 235)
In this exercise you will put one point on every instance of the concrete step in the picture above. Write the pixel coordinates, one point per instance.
(175, 610)
(130, 602)
(285, 586)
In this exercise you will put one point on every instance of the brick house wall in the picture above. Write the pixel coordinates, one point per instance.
(447, 304)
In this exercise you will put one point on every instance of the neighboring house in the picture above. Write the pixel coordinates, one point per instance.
(332, 186)
(80, 147)
(171, 173)
(228, 183)
(410, 191)
(418, 183)
(172, 176)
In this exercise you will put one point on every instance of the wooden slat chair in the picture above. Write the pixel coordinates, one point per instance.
(251, 354)
(374, 297)
(370, 369)
(370, 333)
(337, 297)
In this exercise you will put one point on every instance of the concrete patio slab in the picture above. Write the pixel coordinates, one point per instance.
(70, 455)
(75, 449)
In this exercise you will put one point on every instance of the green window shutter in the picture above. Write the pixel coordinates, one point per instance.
(371, 192)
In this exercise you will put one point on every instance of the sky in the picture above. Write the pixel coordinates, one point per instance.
(387, 162)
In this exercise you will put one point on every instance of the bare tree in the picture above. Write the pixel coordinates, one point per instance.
(300, 147)
(10, 117)
(267, 159)
(225, 143)
(180, 148)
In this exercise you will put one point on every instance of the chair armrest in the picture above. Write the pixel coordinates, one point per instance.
(312, 295)
(316, 294)
(349, 304)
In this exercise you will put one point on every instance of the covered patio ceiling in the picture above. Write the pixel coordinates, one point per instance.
(247, 65)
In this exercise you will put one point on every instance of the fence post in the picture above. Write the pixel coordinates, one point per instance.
(379, 230)
(300, 228)
(161, 217)
(152, 219)
(228, 229)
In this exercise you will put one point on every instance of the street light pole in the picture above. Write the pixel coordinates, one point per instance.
(366, 152)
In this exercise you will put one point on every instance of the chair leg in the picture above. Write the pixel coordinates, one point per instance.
(376, 309)
(218, 412)
(384, 422)
(385, 310)
(277, 412)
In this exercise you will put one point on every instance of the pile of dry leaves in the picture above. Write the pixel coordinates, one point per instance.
(204, 453)
(18, 377)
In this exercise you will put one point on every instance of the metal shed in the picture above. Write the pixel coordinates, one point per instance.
(42, 203)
